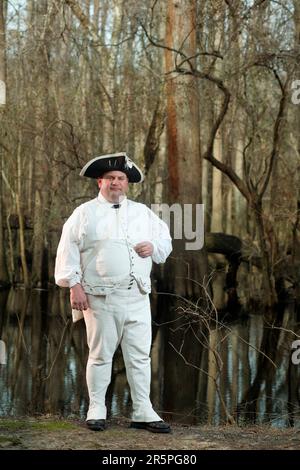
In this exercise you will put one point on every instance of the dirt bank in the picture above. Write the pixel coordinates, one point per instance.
(61, 434)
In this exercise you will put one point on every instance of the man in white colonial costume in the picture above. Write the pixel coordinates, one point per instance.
(105, 258)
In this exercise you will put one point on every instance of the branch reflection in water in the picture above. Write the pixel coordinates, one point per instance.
(245, 369)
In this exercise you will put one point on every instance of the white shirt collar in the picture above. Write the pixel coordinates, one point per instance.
(104, 201)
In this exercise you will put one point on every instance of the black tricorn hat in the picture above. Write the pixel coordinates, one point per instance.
(96, 167)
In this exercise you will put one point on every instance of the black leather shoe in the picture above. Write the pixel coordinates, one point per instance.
(153, 426)
(96, 424)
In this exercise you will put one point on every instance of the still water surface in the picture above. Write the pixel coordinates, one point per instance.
(247, 370)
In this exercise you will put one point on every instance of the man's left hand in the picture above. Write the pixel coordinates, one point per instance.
(144, 249)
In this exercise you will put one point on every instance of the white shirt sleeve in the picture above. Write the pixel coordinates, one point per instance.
(67, 264)
(161, 239)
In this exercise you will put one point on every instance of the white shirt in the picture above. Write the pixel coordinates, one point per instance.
(96, 248)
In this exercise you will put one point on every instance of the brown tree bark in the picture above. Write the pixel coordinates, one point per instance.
(296, 225)
(183, 143)
(185, 269)
(3, 7)
(4, 278)
(42, 174)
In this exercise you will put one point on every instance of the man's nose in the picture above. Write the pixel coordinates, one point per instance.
(115, 183)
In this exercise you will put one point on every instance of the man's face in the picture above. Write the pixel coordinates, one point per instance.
(113, 185)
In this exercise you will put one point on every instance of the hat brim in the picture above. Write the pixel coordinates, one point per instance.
(96, 167)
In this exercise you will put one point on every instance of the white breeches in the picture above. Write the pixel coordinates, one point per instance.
(124, 318)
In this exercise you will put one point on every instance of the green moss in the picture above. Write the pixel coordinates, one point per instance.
(13, 424)
(53, 425)
(47, 425)
(7, 441)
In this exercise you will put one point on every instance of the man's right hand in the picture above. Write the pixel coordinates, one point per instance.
(78, 298)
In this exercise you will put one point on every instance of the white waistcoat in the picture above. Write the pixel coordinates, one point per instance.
(97, 244)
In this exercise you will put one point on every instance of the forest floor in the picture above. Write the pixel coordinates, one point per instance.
(48, 432)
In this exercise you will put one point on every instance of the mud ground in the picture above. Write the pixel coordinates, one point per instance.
(51, 433)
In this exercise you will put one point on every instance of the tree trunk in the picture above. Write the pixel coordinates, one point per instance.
(3, 7)
(267, 269)
(4, 278)
(183, 145)
(41, 168)
(26, 277)
(296, 228)
(185, 268)
(217, 200)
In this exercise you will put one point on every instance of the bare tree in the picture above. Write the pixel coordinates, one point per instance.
(3, 7)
